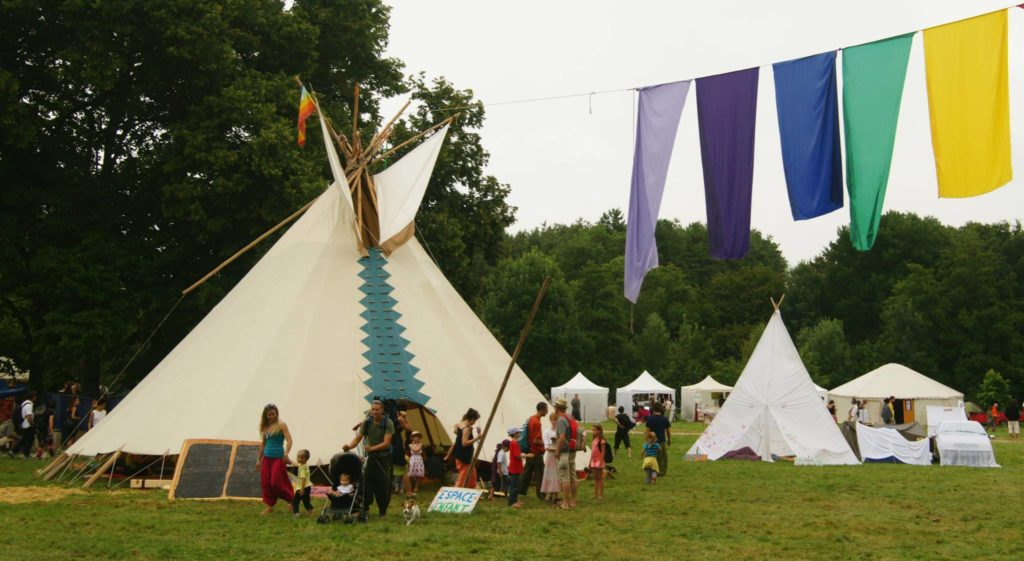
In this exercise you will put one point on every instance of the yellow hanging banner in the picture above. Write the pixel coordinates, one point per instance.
(968, 98)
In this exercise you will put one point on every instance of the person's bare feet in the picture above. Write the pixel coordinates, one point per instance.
(268, 510)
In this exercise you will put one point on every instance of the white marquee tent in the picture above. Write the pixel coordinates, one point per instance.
(644, 385)
(593, 398)
(318, 329)
(914, 390)
(700, 396)
(775, 410)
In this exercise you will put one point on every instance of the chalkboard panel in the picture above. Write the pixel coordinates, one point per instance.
(244, 480)
(201, 471)
(217, 469)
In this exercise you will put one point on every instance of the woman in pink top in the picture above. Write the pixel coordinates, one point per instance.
(597, 446)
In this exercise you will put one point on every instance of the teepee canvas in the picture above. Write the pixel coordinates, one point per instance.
(323, 323)
(774, 409)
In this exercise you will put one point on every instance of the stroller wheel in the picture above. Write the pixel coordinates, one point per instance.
(323, 519)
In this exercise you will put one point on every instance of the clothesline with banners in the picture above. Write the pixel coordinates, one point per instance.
(968, 98)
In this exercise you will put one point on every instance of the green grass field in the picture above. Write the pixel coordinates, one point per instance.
(719, 510)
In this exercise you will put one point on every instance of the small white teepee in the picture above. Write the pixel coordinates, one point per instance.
(775, 409)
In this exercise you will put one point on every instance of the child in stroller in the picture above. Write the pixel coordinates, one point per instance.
(343, 500)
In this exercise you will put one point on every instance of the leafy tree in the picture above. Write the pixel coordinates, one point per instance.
(994, 389)
(825, 353)
(652, 349)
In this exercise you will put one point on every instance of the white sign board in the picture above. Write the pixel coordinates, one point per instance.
(455, 499)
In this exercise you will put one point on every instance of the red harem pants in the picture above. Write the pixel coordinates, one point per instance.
(274, 481)
(465, 479)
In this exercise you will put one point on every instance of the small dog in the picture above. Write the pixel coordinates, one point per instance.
(411, 511)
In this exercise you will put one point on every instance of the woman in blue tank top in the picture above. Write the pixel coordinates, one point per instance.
(277, 442)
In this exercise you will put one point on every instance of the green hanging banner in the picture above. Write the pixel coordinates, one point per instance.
(873, 76)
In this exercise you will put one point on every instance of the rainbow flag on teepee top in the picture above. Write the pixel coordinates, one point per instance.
(306, 108)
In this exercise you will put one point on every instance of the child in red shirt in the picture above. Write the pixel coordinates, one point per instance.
(515, 467)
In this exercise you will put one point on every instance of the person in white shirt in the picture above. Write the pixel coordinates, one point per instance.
(26, 430)
(854, 414)
(863, 411)
(670, 410)
(98, 413)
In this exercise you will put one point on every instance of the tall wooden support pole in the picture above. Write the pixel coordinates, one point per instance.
(103, 468)
(55, 468)
(511, 365)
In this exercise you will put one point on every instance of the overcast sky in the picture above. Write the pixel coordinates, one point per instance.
(571, 158)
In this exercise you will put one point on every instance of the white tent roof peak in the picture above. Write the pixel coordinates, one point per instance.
(579, 382)
(709, 384)
(898, 381)
(645, 383)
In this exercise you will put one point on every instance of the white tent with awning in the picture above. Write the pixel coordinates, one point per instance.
(913, 391)
(774, 410)
(593, 398)
(644, 385)
(700, 396)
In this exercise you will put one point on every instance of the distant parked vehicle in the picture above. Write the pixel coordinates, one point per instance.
(964, 443)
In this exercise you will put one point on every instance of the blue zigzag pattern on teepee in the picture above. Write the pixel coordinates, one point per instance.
(392, 375)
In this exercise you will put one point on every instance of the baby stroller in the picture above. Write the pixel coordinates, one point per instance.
(346, 507)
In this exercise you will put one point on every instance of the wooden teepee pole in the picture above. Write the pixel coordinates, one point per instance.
(511, 365)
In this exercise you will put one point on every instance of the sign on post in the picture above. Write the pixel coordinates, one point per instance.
(455, 499)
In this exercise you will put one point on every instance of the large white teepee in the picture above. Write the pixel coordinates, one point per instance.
(318, 329)
(775, 409)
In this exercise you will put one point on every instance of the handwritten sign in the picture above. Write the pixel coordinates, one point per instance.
(455, 499)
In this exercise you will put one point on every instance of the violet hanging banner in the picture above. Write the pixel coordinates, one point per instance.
(726, 115)
(656, 125)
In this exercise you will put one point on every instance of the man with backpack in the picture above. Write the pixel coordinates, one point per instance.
(24, 416)
(565, 453)
(533, 471)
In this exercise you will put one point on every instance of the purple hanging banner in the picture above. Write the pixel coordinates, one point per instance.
(726, 115)
(656, 125)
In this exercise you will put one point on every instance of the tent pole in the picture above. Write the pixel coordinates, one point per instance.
(163, 460)
(251, 245)
(103, 468)
(511, 365)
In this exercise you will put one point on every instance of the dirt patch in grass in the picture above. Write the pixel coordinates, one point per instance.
(18, 495)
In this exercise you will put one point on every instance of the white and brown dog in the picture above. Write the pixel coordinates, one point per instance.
(411, 511)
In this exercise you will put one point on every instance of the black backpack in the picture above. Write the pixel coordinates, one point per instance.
(608, 458)
(16, 414)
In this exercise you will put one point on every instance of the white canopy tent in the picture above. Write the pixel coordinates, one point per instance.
(914, 393)
(937, 414)
(775, 410)
(593, 398)
(644, 385)
(303, 329)
(700, 396)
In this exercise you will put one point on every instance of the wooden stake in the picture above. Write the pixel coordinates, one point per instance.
(251, 245)
(71, 460)
(511, 365)
(50, 465)
(52, 469)
(99, 472)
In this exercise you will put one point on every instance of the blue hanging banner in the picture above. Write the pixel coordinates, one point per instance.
(808, 107)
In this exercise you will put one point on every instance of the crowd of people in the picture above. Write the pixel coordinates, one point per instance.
(542, 452)
(37, 425)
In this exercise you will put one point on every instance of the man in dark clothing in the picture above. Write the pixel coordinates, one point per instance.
(622, 425)
(659, 425)
(378, 431)
(886, 412)
(1013, 418)
(576, 408)
(533, 471)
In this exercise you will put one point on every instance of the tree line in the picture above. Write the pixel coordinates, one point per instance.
(142, 143)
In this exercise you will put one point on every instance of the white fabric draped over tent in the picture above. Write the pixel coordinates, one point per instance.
(885, 444)
(937, 414)
(593, 398)
(645, 384)
(775, 410)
